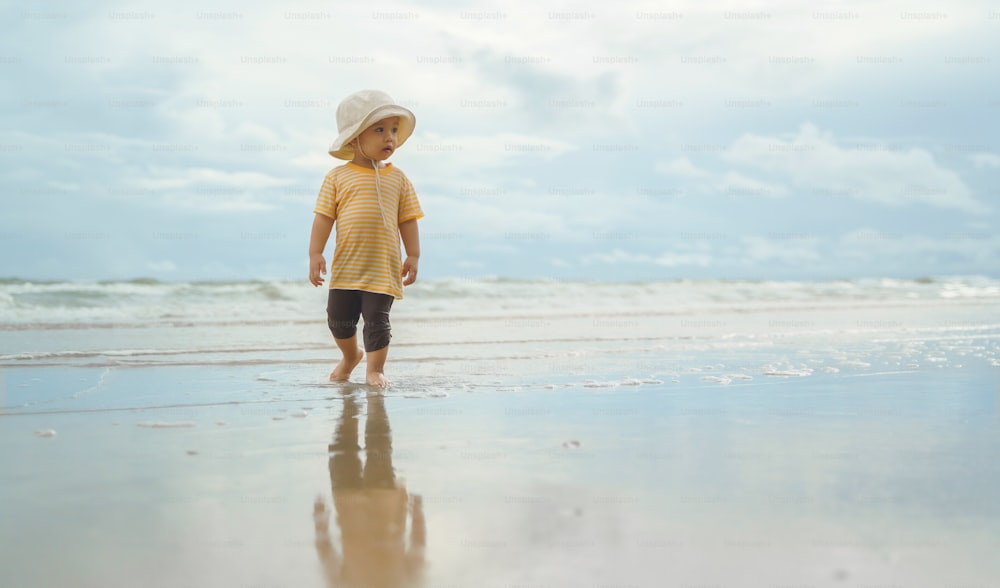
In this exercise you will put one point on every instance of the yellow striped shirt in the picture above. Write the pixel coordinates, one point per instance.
(367, 256)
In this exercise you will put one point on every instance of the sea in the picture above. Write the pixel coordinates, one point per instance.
(455, 335)
(147, 322)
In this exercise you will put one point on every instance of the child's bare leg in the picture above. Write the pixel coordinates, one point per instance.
(352, 357)
(376, 367)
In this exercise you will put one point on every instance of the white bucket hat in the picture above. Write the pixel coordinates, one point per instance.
(362, 109)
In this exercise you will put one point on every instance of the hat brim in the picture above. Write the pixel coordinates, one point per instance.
(341, 149)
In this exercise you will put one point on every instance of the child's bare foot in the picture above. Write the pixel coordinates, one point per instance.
(342, 372)
(378, 380)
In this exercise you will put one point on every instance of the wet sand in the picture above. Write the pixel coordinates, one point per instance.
(828, 480)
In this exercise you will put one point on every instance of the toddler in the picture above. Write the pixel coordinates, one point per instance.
(373, 206)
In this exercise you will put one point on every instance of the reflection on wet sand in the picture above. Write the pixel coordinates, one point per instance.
(372, 508)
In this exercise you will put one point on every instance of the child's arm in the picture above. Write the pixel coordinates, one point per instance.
(322, 225)
(411, 242)
(418, 537)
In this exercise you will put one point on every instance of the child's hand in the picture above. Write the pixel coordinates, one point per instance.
(409, 273)
(317, 268)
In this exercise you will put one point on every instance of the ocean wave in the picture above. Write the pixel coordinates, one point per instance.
(145, 301)
(141, 353)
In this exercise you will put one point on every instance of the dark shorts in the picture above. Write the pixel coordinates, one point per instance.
(344, 307)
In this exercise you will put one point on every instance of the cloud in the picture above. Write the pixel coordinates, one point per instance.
(162, 267)
(205, 189)
(869, 251)
(510, 218)
(681, 167)
(731, 183)
(815, 161)
(738, 185)
(757, 249)
(166, 178)
(977, 247)
(538, 129)
(986, 160)
(666, 259)
(507, 172)
(486, 150)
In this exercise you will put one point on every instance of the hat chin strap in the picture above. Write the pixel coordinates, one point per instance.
(378, 185)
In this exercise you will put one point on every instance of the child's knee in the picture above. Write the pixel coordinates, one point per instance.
(343, 309)
(342, 329)
(377, 333)
(375, 309)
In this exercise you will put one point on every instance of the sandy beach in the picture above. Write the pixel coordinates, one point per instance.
(794, 440)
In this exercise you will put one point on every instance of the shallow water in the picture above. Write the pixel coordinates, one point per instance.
(822, 480)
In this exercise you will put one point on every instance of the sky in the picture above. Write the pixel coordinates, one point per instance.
(620, 141)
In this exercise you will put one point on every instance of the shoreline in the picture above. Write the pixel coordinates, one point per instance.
(887, 478)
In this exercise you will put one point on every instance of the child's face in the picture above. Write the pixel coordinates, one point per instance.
(379, 140)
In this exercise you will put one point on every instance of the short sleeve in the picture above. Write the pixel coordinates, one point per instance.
(409, 205)
(326, 202)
